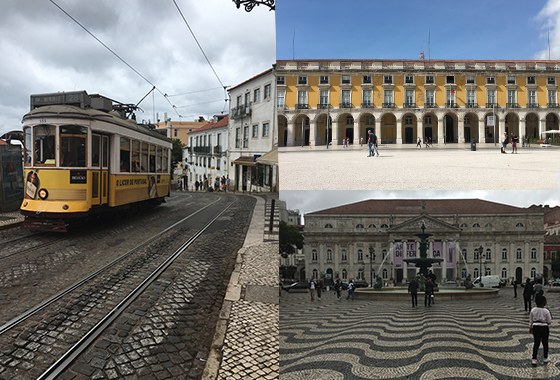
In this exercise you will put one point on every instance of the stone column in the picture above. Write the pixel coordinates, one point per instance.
(444, 262)
(312, 132)
(440, 139)
(291, 133)
(420, 129)
(377, 129)
(399, 131)
(357, 130)
(461, 130)
(335, 132)
(502, 129)
(542, 127)
(522, 129)
(481, 131)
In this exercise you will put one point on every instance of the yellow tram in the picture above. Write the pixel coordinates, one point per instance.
(84, 156)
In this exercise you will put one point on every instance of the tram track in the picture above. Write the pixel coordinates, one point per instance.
(82, 309)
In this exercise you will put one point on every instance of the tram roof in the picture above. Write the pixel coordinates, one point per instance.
(66, 111)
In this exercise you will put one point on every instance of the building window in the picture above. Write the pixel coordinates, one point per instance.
(384, 253)
(490, 80)
(323, 80)
(408, 120)
(343, 256)
(463, 225)
(533, 272)
(385, 274)
(255, 131)
(324, 97)
(533, 255)
(388, 79)
(366, 79)
(328, 225)
(491, 96)
(360, 255)
(315, 274)
(488, 272)
(360, 274)
(372, 226)
(346, 79)
(475, 272)
(450, 79)
(237, 137)
(519, 254)
(471, 97)
(359, 225)
(476, 256)
(302, 98)
(266, 91)
(531, 80)
(409, 96)
(302, 80)
(429, 79)
(511, 96)
(175, 132)
(349, 120)
(247, 99)
(346, 97)
(510, 80)
(384, 226)
(551, 80)
(470, 80)
(329, 256)
(369, 119)
(519, 225)
(531, 97)
(266, 128)
(467, 120)
(245, 137)
(504, 254)
(367, 97)
(281, 99)
(372, 258)
(504, 273)
(408, 79)
(388, 96)
(314, 255)
(488, 255)
(476, 225)
(430, 98)
(488, 225)
(552, 96)
(280, 80)
(344, 274)
(257, 95)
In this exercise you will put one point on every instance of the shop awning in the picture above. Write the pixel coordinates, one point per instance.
(269, 158)
(245, 161)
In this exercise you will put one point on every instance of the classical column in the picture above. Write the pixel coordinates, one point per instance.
(399, 131)
(522, 129)
(420, 128)
(440, 137)
(481, 131)
(458, 258)
(461, 130)
(444, 262)
(312, 132)
(377, 129)
(335, 132)
(542, 127)
(357, 131)
(502, 126)
(291, 133)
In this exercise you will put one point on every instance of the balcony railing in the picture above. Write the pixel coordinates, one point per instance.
(302, 106)
(322, 106)
(202, 149)
(218, 149)
(430, 105)
(409, 105)
(552, 105)
(451, 105)
(388, 105)
(532, 105)
(512, 105)
(345, 105)
(471, 105)
(367, 105)
(490, 105)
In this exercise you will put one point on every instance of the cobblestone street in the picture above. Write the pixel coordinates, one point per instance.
(354, 340)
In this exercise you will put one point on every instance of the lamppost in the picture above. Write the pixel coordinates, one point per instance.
(480, 256)
(371, 258)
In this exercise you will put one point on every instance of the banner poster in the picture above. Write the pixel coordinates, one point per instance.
(437, 253)
(398, 259)
(411, 252)
(450, 254)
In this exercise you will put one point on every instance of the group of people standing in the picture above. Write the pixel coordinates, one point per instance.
(413, 287)
(220, 184)
(427, 142)
(514, 140)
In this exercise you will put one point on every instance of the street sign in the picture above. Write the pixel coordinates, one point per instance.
(490, 121)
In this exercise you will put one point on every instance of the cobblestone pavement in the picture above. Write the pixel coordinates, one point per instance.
(484, 339)
(406, 167)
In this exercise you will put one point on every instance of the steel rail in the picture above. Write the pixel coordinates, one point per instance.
(20, 318)
(61, 364)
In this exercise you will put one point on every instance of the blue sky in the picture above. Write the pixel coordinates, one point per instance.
(399, 29)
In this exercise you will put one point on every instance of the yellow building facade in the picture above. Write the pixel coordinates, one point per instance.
(401, 101)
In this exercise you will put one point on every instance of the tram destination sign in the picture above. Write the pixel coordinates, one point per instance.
(74, 98)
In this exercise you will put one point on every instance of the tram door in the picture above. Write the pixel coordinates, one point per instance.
(99, 173)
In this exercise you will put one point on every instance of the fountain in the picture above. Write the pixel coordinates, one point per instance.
(423, 262)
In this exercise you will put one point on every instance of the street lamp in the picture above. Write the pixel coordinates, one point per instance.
(480, 256)
(371, 258)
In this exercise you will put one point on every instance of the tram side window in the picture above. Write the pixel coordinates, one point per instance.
(135, 156)
(165, 153)
(28, 146)
(125, 155)
(44, 145)
(152, 158)
(105, 151)
(73, 142)
(144, 158)
(158, 160)
(95, 146)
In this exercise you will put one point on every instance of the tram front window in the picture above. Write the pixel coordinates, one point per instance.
(44, 145)
(73, 142)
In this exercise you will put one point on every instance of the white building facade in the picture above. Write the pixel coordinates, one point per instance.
(253, 133)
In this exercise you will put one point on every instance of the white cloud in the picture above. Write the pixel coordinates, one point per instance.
(550, 18)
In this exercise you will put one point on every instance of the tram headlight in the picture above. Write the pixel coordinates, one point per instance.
(43, 194)
(65, 207)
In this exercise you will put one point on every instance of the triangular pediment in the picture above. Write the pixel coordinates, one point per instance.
(431, 224)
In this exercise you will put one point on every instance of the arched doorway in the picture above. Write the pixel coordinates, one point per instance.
(329, 277)
(449, 129)
(430, 127)
(388, 133)
(519, 275)
(321, 130)
(302, 274)
(346, 123)
(283, 130)
(532, 125)
(512, 124)
(302, 130)
(367, 123)
(409, 127)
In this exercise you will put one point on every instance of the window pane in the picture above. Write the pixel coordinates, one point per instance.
(73, 139)
(28, 146)
(95, 147)
(144, 157)
(44, 144)
(125, 155)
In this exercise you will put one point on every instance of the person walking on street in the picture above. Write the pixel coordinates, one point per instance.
(337, 288)
(312, 286)
(370, 143)
(319, 289)
(539, 320)
(413, 290)
(527, 295)
(523, 141)
(527, 142)
(361, 141)
(504, 142)
(514, 283)
(428, 292)
(513, 143)
(350, 290)
(419, 143)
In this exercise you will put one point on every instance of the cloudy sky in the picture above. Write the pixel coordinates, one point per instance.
(44, 51)
(400, 29)
(310, 201)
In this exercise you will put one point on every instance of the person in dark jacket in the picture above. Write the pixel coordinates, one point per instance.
(527, 295)
(428, 291)
(413, 290)
(514, 283)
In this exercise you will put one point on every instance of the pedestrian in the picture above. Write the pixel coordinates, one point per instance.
(370, 143)
(432, 276)
(227, 183)
(504, 142)
(523, 141)
(312, 287)
(539, 320)
(428, 292)
(528, 142)
(196, 185)
(350, 290)
(361, 141)
(513, 143)
(538, 290)
(337, 288)
(527, 294)
(413, 290)
(419, 142)
(514, 283)
(319, 289)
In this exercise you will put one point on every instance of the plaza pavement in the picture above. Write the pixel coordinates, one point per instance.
(405, 167)
(356, 340)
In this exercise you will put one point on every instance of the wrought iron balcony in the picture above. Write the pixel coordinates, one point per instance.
(302, 106)
(512, 105)
(218, 149)
(451, 105)
(490, 105)
(388, 105)
(532, 105)
(202, 149)
(552, 105)
(409, 105)
(367, 105)
(345, 105)
(471, 105)
(281, 106)
(322, 106)
(430, 105)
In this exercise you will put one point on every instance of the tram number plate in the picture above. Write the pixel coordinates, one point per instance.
(78, 176)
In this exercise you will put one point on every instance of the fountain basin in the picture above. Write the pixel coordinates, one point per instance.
(446, 294)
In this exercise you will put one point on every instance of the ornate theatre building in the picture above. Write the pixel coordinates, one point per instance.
(361, 240)
(401, 100)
